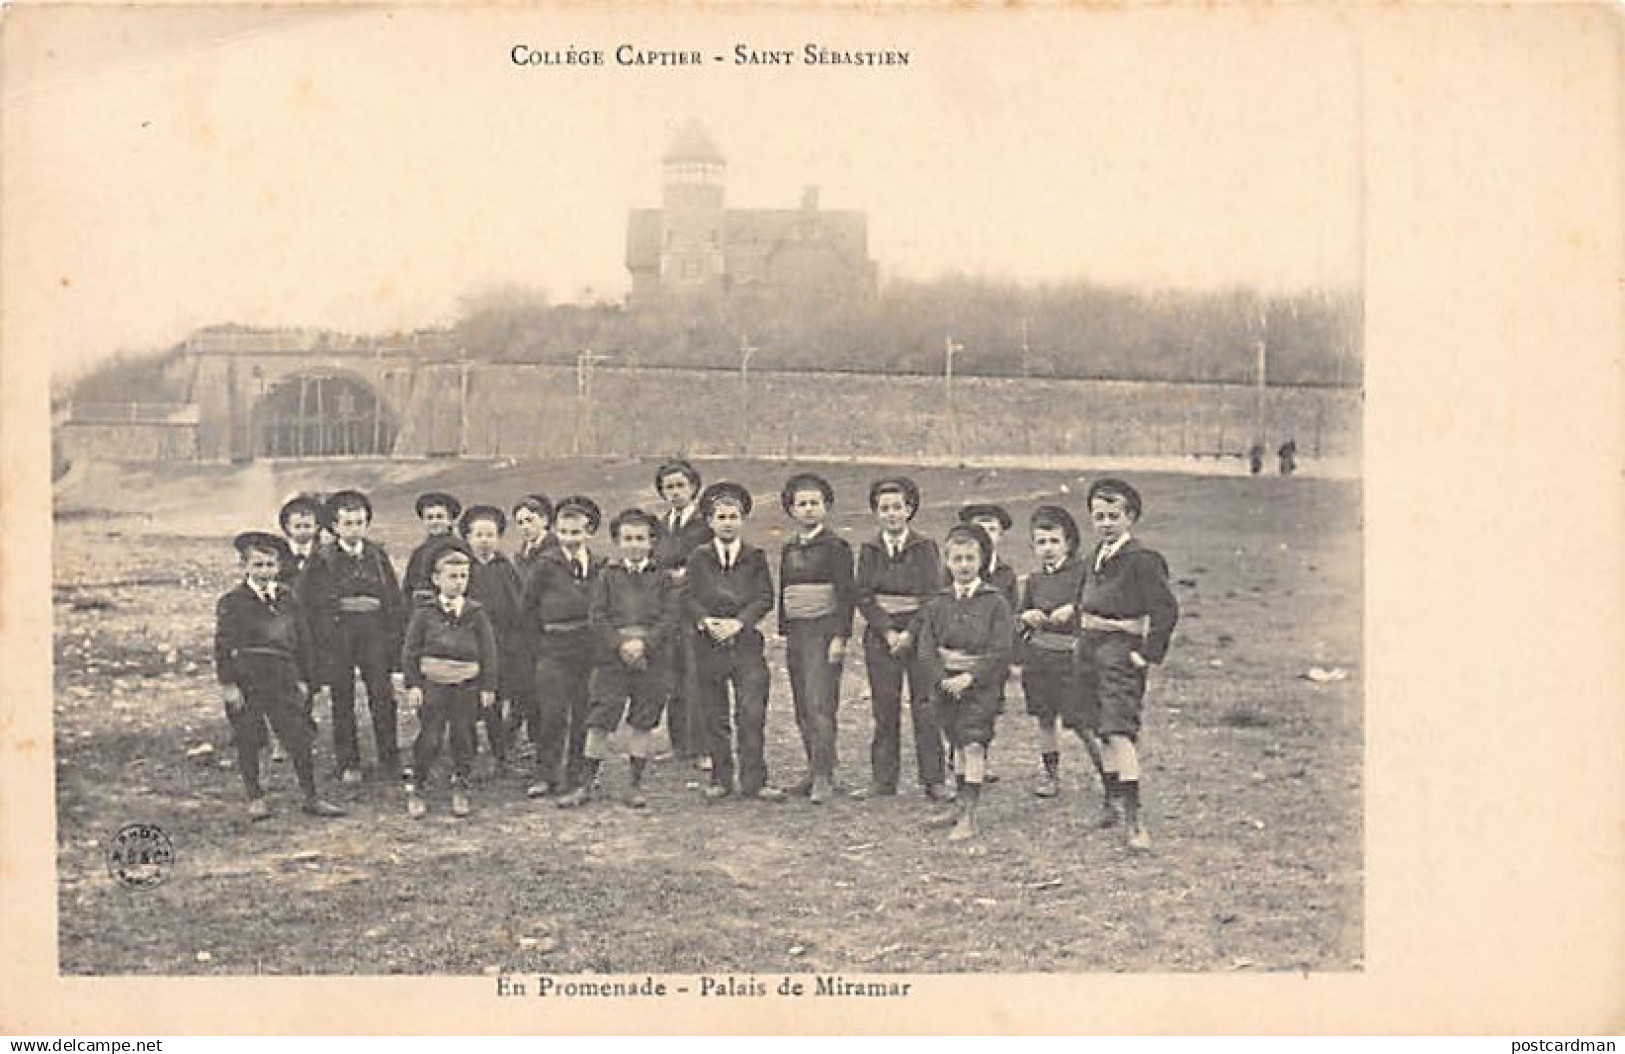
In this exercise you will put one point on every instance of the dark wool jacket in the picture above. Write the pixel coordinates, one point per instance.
(292, 574)
(244, 621)
(622, 598)
(555, 596)
(916, 572)
(524, 560)
(1003, 578)
(333, 574)
(982, 625)
(744, 592)
(496, 585)
(827, 558)
(435, 633)
(1134, 582)
(673, 548)
(418, 581)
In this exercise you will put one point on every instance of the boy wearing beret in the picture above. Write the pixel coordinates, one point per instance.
(301, 520)
(816, 600)
(494, 582)
(439, 513)
(1047, 628)
(683, 530)
(1126, 618)
(995, 521)
(452, 668)
(966, 637)
(557, 602)
(898, 571)
(633, 618)
(728, 590)
(265, 662)
(359, 617)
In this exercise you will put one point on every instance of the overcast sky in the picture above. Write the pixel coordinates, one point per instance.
(363, 170)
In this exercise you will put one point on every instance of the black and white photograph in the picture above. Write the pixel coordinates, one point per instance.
(689, 507)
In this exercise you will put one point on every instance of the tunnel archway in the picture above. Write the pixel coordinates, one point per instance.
(323, 415)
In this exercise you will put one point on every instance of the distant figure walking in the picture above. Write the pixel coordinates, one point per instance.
(1289, 457)
(1255, 458)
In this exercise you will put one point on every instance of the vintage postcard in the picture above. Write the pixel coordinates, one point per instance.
(811, 518)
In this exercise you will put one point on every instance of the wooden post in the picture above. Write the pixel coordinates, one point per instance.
(462, 408)
(581, 400)
(1260, 373)
(232, 410)
(323, 437)
(745, 352)
(378, 403)
(299, 431)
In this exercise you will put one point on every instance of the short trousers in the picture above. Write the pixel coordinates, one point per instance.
(617, 692)
(1111, 688)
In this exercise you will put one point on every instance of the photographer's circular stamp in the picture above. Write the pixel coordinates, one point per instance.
(140, 856)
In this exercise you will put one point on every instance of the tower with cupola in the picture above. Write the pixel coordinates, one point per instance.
(692, 236)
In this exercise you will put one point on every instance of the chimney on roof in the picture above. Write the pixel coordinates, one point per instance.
(809, 199)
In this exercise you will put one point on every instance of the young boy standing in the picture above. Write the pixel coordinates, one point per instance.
(359, 616)
(439, 514)
(898, 571)
(634, 619)
(683, 529)
(265, 662)
(495, 584)
(452, 668)
(1126, 617)
(817, 596)
(728, 590)
(966, 636)
(301, 520)
(533, 519)
(996, 521)
(557, 601)
(1048, 631)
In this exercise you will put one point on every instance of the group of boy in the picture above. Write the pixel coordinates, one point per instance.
(567, 645)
